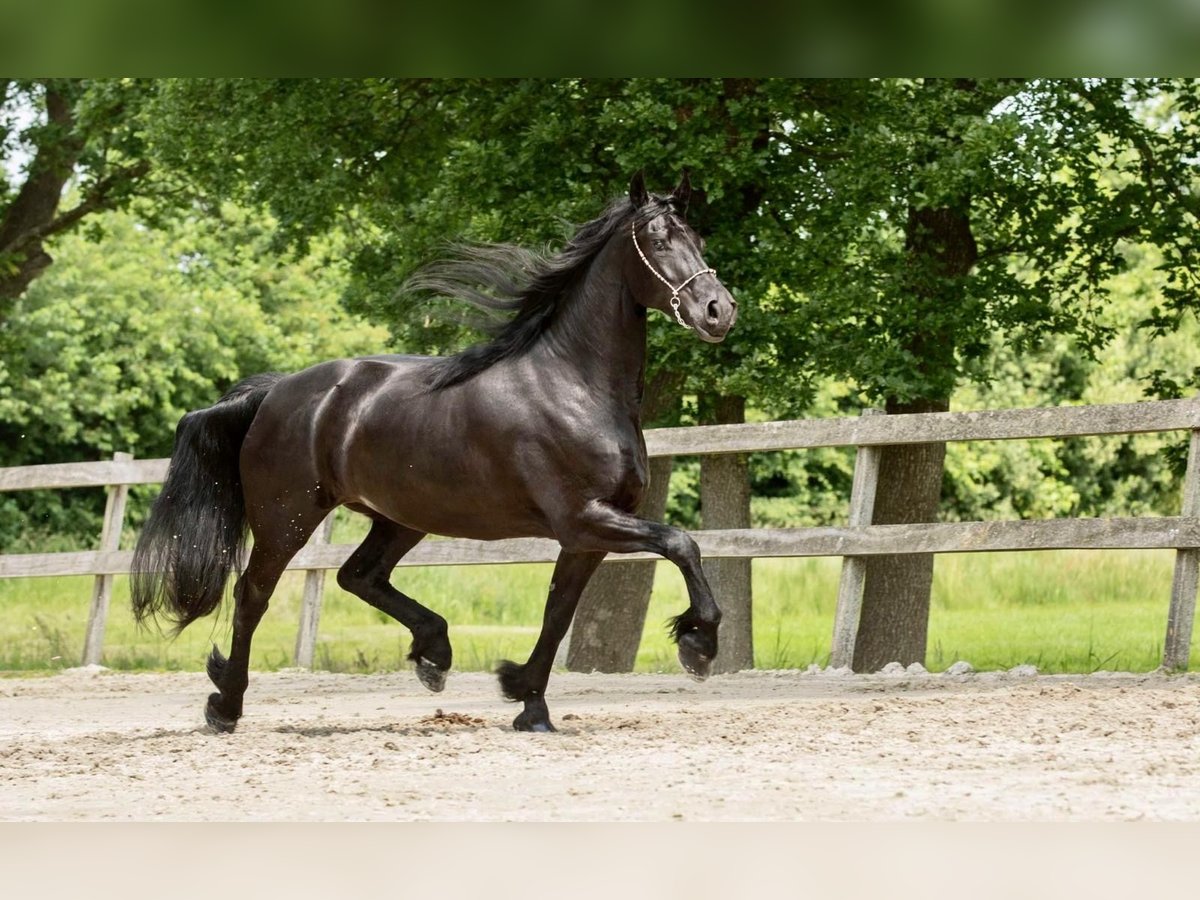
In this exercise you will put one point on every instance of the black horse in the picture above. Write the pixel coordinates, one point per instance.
(536, 433)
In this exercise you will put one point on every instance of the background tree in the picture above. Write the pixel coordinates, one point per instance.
(995, 208)
(117, 340)
(54, 131)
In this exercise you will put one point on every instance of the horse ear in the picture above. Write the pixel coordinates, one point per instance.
(637, 190)
(683, 193)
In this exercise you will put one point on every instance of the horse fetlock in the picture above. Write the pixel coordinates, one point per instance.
(227, 679)
(431, 645)
(513, 681)
(216, 666)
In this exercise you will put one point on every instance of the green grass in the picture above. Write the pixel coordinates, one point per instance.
(1070, 611)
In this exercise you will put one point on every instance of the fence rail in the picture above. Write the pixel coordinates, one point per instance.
(855, 541)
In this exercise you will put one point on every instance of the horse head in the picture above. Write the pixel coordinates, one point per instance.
(666, 268)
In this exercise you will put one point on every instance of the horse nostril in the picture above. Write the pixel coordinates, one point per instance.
(713, 312)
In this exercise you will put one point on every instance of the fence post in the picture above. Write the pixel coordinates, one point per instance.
(310, 608)
(110, 540)
(854, 568)
(1177, 646)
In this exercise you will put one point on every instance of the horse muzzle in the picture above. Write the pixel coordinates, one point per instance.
(717, 312)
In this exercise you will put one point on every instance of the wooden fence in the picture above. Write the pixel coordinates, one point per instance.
(854, 541)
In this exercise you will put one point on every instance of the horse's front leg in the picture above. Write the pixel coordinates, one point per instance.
(527, 683)
(603, 527)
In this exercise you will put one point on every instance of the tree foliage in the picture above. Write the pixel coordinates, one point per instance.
(56, 131)
(812, 194)
(115, 342)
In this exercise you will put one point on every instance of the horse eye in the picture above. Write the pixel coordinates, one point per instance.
(660, 245)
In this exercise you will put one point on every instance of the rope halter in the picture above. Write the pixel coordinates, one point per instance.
(674, 290)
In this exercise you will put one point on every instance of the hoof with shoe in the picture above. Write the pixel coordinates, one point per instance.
(431, 675)
(695, 662)
(217, 721)
(526, 722)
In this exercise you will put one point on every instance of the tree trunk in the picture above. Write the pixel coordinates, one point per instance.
(725, 503)
(894, 623)
(608, 624)
(32, 216)
(33, 208)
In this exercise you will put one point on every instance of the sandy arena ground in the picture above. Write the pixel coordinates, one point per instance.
(764, 746)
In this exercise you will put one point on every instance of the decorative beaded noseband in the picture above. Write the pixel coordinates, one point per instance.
(674, 290)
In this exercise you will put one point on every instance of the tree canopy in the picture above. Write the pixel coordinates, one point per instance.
(121, 337)
(879, 231)
(55, 132)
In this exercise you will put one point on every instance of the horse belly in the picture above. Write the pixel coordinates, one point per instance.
(434, 477)
(436, 500)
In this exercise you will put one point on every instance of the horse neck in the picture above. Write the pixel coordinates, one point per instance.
(600, 332)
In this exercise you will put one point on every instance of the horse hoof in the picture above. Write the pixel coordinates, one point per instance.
(431, 675)
(696, 664)
(525, 723)
(216, 721)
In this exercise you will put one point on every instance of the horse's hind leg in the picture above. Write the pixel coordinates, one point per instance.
(365, 574)
(251, 593)
(528, 682)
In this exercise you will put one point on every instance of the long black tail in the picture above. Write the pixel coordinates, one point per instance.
(194, 535)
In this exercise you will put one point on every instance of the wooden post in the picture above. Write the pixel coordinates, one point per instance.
(310, 609)
(854, 568)
(1177, 646)
(110, 540)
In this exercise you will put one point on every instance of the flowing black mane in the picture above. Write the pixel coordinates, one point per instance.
(524, 287)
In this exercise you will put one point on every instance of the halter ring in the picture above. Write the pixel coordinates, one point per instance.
(674, 290)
